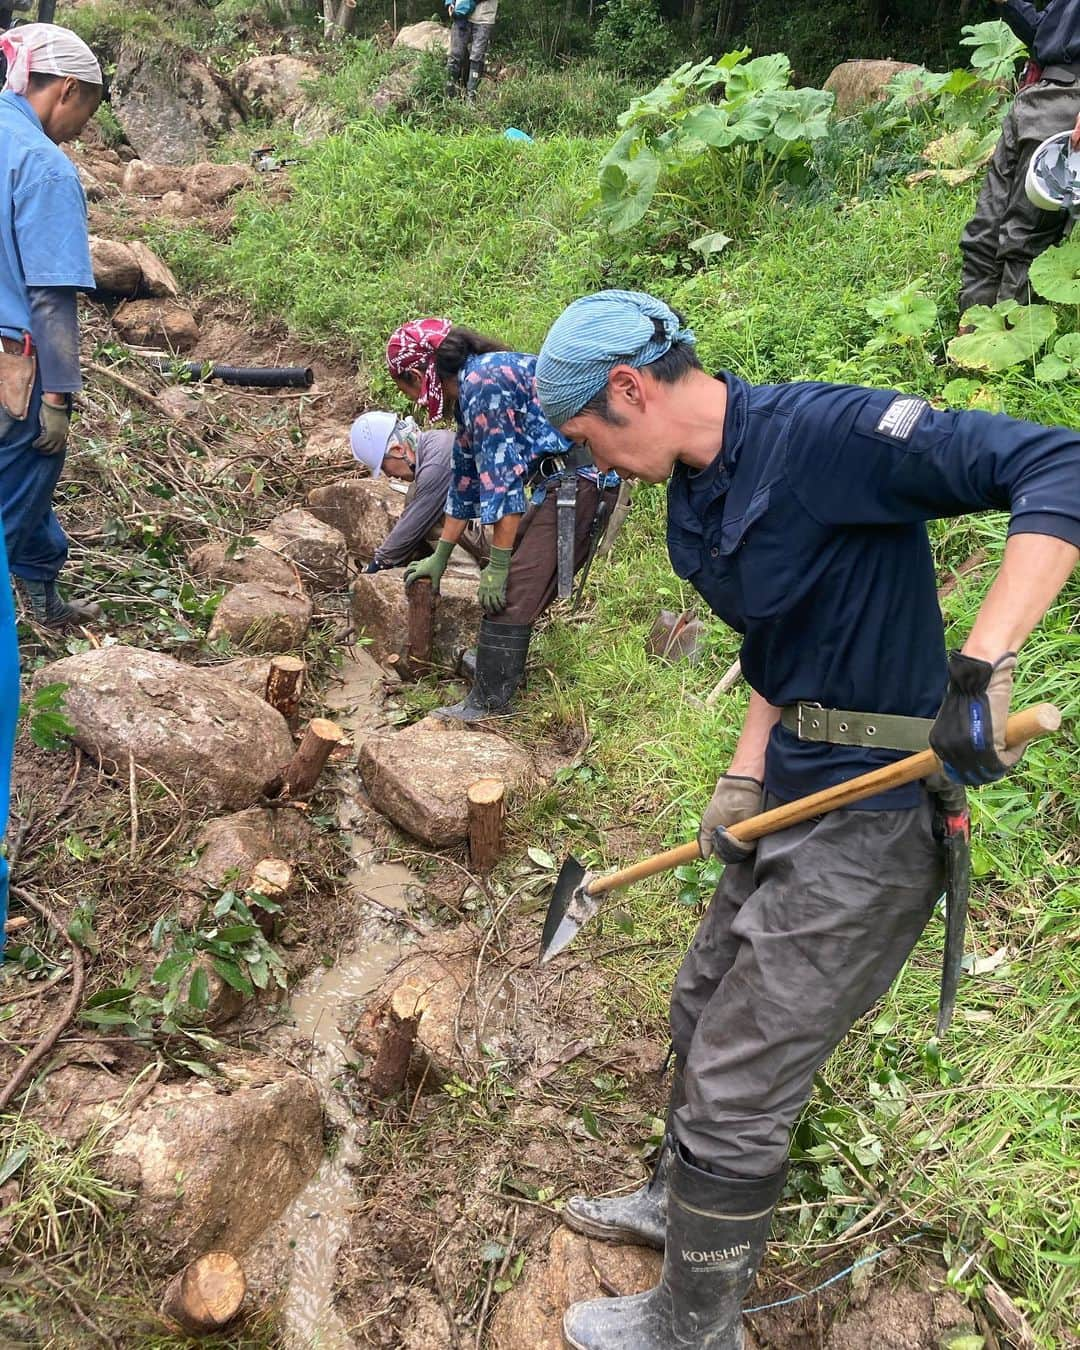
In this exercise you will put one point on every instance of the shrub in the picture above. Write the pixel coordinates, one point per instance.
(633, 38)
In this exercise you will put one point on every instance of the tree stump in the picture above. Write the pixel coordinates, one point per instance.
(284, 684)
(302, 771)
(392, 1062)
(421, 626)
(271, 878)
(207, 1294)
(485, 799)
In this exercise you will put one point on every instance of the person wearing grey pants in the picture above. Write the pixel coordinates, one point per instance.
(470, 35)
(1007, 231)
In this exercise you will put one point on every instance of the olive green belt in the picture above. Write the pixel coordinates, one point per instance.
(839, 726)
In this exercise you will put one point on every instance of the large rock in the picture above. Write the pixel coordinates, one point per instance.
(529, 1316)
(230, 846)
(141, 179)
(213, 184)
(856, 83)
(262, 617)
(192, 729)
(419, 37)
(213, 1169)
(157, 279)
(116, 268)
(380, 610)
(247, 672)
(161, 324)
(419, 777)
(395, 93)
(316, 549)
(217, 561)
(365, 510)
(171, 108)
(275, 85)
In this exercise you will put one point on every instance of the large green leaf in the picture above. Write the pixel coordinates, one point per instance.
(1004, 336)
(759, 76)
(802, 114)
(709, 125)
(709, 245)
(1055, 274)
(752, 121)
(627, 189)
(906, 313)
(1063, 361)
(996, 49)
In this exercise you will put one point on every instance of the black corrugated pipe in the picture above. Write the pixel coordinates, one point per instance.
(263, 377)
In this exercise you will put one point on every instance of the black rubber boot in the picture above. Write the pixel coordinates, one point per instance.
(453, 77)
(501, 652)
(640, 1217)
(716, 1231)
(476, 74)
(51, 610)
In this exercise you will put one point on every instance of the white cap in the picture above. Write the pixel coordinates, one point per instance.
(369, 437)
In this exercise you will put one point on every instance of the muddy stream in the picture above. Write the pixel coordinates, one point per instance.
(317, 1222)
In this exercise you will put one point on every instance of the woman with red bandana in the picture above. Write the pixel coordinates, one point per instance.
(504, 445)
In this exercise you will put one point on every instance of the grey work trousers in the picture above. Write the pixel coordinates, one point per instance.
(1007, 232)
(470, 41)
(797, 943)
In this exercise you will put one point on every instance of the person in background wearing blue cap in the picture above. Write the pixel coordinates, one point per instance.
(53, 88)
(387, 444)
(799, 513)
(1008, 232)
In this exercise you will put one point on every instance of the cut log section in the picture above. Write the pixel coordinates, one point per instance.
(421, 626)
(284, 685)
(271, 878)
(302, 771)
(207, 1294)
(485, 798)
(392, 1062)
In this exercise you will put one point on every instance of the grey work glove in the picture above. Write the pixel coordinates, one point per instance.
(55, 423)
(969, 733)
(734, 799)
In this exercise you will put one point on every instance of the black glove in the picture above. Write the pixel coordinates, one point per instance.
(969, 733)
(373, 566)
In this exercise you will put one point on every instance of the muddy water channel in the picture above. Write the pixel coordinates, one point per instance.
(317, 1222)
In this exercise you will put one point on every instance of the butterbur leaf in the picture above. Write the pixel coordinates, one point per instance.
(710, 125)
(709, 245)
(759, 76)
(1004, 336)
(1055, 274)
(627, 189)
(803, 114)
(996, 49)
(906, 313)
(1063, 361)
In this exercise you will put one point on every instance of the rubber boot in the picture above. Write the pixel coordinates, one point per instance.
(716, 1231)
(476, 74)
(466, 666)
(51, 610)
(453, 77)
(501, 652)
(640, 1217)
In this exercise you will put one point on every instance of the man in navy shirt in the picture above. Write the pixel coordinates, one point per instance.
(1008, 231)
(798, 511)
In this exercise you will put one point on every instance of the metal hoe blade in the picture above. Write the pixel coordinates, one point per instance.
(571, 905)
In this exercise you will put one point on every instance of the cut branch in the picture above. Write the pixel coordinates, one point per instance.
(421, 626)
(302, 771)
(207, 1294)
(485, 798)
(284, 685)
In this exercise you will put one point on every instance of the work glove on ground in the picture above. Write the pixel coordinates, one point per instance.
(55, 423)
(735, 798)
(969, 733)
(493, 579)
(432, 568)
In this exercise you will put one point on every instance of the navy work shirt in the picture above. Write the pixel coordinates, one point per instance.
(806, 534)
(1052, 36)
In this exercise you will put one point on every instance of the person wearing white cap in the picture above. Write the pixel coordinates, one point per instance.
(387, 444)
(53, 88)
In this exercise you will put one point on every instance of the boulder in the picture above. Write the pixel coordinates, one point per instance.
(212, 1169)
(275, 85)
(419, 777)
(179, 204)
(178, 402)
(262, 617)
(419, 37)
(316, 549)
(432, 990)
(213, 184)
(218, 561)
(191, 728)
(141, 179)
(116, 268)
(247, 672)
(856, 83)
(157, 279)
(91, 185)
(380, 610)
(365, 510)
(395, 92)
(229, 847)
(529, 1316)
(170, 105)
(106, 168)
(161, 324)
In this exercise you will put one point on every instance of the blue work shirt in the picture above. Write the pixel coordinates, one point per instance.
(502, 434)
(1052, 35)
(43, 231)
(806, 535)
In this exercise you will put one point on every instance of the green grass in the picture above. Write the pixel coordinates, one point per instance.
(974, 1141)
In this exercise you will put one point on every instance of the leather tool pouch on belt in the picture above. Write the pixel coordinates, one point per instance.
(17, 373)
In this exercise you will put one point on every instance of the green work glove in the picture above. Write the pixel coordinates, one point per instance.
(432, 568)
(493, 579)
(54, 429)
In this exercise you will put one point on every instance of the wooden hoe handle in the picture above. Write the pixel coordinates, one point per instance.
(1040, 720)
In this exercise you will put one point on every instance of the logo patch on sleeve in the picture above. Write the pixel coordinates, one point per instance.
(901, 417)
